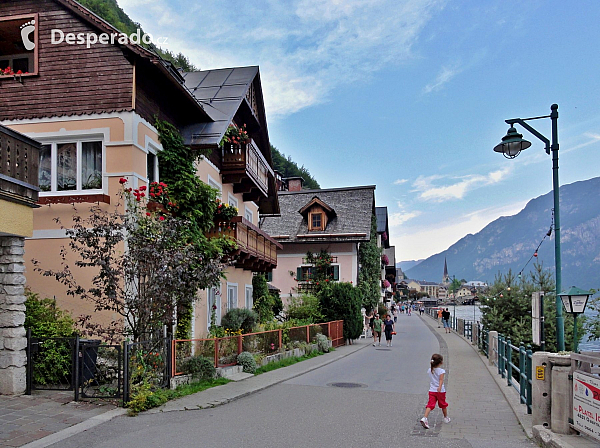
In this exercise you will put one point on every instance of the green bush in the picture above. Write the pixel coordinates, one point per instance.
(240, 319)
(322, 343)
(343, 301)
(246, 360)
(199, 367)
(46, 320)
(306, 308)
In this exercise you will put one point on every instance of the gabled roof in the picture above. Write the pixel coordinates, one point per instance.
(353, 206)
(316, 201)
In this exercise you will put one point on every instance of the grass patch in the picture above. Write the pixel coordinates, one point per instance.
(143, 398)
(285, 362)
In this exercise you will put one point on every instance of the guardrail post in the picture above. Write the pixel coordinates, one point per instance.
(76, 368)
(528, 369)
(501, 355)
(523, 380)
(508, 362)
(280, 338)
(125, 372)
(240, 345)
(216, 353)
(308, 334)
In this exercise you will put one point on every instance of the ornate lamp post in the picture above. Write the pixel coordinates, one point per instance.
(575, 300)
(511, 146)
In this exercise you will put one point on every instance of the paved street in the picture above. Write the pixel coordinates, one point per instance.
(382, 410)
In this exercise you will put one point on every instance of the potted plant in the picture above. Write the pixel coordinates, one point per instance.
(235, 136)
(225, 212)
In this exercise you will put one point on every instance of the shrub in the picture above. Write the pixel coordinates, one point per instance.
(306, 308)
(343, 301)
(46, 320)
(246, 360)
(240, 319)
(200, 367)
(322, 343)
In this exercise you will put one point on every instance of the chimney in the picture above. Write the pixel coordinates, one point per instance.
(294, 183)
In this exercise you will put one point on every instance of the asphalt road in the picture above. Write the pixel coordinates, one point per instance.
(382, 411)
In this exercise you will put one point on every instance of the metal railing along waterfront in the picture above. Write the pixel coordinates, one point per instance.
(513, 363)
(224, 351)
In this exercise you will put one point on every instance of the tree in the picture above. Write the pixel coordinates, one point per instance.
(369, 276)
(343, 301)
(288, 168)
(159, 272)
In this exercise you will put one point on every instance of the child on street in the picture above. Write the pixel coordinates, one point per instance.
(437, 391)
(377, 324)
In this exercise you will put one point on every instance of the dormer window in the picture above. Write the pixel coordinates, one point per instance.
(18, 45)
(316, 220)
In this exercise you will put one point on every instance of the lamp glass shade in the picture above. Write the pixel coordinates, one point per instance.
(512, 144)
(575, 300)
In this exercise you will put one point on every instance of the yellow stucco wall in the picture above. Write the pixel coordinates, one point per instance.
(15, 219)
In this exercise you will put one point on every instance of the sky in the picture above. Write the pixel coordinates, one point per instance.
(410, 96)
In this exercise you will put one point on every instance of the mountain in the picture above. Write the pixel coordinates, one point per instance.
(404, 265)
(510, 241)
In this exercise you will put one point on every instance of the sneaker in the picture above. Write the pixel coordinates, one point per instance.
(447, 420)
(373, 345)
(425, 423)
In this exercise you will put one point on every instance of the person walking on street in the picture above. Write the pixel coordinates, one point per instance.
(437, 390)
(409, 309)
(446, 320)
(377, 324)
(439, 317)
(395, 313)
(389, 328)
(421, 310)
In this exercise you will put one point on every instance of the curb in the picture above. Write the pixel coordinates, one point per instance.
(76, 429)
(279, 378)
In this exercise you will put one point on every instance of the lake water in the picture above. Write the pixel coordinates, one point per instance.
(467, 311)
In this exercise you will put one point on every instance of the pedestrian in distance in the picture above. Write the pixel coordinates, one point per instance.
(409, 309)
(446, 320)
(377, 324)
(395, 313)
(439, 317)
(389, 328)
(421, 310)
(437, 390)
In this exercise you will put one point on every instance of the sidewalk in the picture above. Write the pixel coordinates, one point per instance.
(47, 417)
(483, 407)
(26, 418)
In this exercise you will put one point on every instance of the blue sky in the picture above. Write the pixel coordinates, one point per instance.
(410, 95)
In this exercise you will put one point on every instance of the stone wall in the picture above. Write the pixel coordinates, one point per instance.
(13, 342)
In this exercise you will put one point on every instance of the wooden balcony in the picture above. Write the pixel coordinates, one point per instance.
(256, 251)
(246, 168)
(19, 160)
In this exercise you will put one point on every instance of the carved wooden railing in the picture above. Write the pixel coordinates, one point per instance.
(19, 161)
(248, 158)
(256, 250)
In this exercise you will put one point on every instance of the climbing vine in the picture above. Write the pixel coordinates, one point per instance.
(369, 276)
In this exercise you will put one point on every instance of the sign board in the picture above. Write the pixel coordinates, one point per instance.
(539, 373)
(586, 404)
(536, 299)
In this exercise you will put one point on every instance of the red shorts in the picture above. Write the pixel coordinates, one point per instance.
(437, 397)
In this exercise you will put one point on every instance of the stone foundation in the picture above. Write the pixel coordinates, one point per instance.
(13, 342)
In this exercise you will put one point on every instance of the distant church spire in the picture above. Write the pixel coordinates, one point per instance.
(446, 278)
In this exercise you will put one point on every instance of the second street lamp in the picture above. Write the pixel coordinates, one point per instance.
(510, 146)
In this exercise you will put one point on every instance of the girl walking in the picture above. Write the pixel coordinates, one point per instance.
(390, 327)
(437, 391)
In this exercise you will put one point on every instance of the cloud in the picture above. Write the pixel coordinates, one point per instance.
(427, 191)
(423, 241)
(400, 181)
(444, 77)
(305, 48)
(397, 219)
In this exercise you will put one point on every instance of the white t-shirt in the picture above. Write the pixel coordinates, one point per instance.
(434, 379)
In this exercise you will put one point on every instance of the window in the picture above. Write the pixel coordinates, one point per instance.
(213, 183)
(18, 44)
(232, 201)
(232, 297)
(316, 221)
(71, 166)
(269, 276)
(151, 167)
(303, 273)
(213, 298)
(249, 301)
(249, 215)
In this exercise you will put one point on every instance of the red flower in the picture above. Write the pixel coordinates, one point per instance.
(214, 307)
(152, 194)
(143, 188)
(147, 213)
(122, 180)
(162, 218)
(142, 194)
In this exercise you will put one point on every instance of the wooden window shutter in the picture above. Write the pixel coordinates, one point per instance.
(336, 272)
(299, 274)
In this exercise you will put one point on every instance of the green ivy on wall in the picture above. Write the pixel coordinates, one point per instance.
(369, 276)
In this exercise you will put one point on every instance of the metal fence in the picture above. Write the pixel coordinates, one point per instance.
(92, 369)
(514, 363)
(224, 351)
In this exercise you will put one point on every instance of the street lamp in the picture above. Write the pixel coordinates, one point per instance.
(511, 146)
(575, 300)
